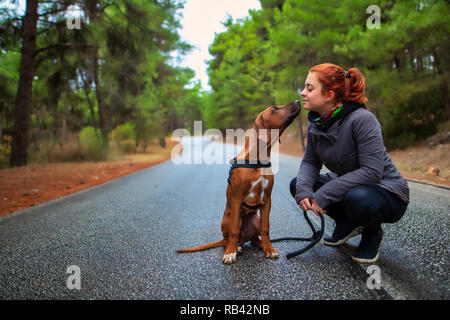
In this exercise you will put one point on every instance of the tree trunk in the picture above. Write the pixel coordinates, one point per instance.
(1, 129)
(145, 145)
(92, 8)
(98, 93)
(444, 83)
(162, 141)
(300, 128)
(63, 133)
(87, 91)
(20, 139)
(300, 124)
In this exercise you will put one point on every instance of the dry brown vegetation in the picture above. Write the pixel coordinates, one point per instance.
(30, 185)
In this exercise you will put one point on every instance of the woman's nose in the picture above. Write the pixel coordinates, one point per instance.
(303, 93)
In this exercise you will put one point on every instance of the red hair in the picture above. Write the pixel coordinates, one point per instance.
(334, 78)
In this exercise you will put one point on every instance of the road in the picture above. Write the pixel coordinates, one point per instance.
(123, 234)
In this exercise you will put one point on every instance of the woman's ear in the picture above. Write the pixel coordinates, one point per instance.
(330, 95)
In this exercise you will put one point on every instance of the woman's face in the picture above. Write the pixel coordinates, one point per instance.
(313, 99)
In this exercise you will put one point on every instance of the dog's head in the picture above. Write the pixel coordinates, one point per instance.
(277, 117)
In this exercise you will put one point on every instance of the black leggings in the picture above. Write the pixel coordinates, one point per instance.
(365, 205)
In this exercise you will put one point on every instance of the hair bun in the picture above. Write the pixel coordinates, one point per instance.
(330, 76)
(347, 74)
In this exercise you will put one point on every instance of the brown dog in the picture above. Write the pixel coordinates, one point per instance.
(250, 188)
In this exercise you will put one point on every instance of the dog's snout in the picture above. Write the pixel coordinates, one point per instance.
(296, 106)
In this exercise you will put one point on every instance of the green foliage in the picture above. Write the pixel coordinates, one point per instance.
(123, 132)
(417, 116)
(265, 59)
(9, 75)
(92, 145)
(120, 57)
(125, 137)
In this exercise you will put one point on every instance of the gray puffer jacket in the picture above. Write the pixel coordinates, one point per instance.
(353, 150)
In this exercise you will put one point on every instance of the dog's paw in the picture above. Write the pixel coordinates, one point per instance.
(229, 258)
(239, 250)
(272, 254)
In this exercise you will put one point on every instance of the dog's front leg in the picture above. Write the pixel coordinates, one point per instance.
(233, 235)
(269, 251)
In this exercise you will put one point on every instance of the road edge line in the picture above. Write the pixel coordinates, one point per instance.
(77, 193)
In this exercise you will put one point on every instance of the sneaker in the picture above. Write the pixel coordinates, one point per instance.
(368, 249)
(342, 232)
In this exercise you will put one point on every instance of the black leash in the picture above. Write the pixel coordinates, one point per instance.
(315, 238)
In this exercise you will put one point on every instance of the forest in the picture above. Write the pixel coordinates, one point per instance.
(78, 79)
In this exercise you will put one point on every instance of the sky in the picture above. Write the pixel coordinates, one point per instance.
(200, 21)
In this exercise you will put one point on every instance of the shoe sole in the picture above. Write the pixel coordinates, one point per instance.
(352, 234)
(360, 260)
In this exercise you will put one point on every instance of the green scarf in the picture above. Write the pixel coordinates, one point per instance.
(323, 120)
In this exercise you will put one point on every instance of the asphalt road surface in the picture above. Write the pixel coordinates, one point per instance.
(122, 237)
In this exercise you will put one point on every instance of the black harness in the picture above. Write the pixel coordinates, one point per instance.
(245, 164)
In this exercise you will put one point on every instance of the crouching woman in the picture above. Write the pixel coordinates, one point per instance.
(364, 188)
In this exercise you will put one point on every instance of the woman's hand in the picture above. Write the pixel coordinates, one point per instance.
(310, 204)
(305, 204)
(317, 209)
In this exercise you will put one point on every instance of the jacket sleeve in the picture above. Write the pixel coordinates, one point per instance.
(368, 137)
(308, 171)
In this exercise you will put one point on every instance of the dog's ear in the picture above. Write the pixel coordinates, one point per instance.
(259, 123)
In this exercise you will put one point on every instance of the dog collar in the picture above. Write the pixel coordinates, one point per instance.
(247, 164)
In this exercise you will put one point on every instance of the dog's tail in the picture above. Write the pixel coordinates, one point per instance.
(216, 244)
